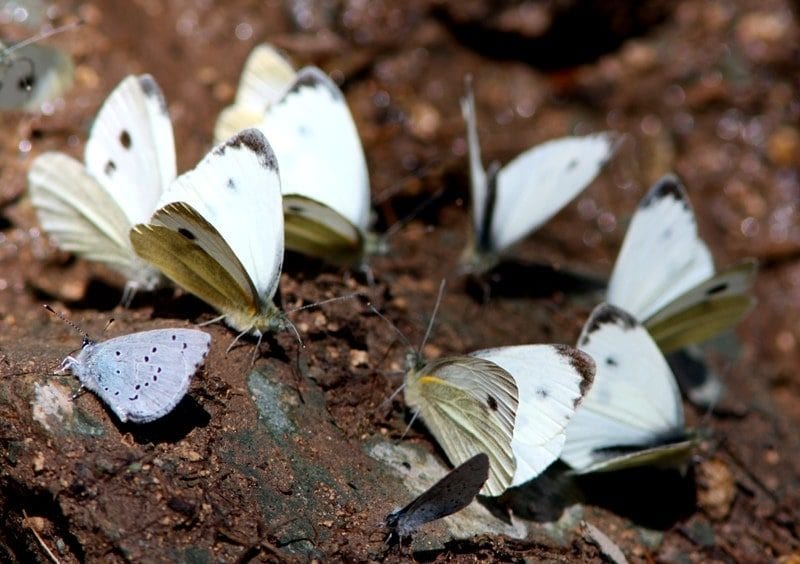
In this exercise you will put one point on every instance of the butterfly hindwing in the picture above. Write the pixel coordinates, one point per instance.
(469, 404)
(317, 230)
(32, 75)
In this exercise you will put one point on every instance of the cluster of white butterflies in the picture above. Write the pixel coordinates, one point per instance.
(219, 231)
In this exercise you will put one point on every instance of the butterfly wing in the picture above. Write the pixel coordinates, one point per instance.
(706, 310)
(143, 376)
(538, 183)
(265, 77)
(82, 217)
(662, 256)
(315, 229)
(317, 144)
(551, 380)
(32, 75)
(450, 494)
(634, 402)
(477, 174)
(131, 149)
(469, 404)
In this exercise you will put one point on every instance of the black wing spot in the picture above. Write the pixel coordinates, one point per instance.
(231, 184)
(134, 398)
(110, 168)
(154, 349)
(174, 337)
(157, 372)
(118, 372)
(118, 353)
(667, 234)
(116, 393)
(137, 386)
(294, 208)
(155, 378)
(189, 235)
(542, 393)
(571, 165)
(147, 358)
(184, 346)
(491, 402)
(717, 289)
(105, 389)
(611, 361)
(125, 139)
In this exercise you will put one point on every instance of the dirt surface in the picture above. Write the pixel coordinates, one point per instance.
(277, 460)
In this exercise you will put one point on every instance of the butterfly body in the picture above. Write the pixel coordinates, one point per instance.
(141, 376)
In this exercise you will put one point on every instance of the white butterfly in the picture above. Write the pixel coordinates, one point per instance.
(664, 275)
(218, 233)
(513, 403)
(510, 202)
(130, 159)
(31, 74)
(633, 413)
(325, 182)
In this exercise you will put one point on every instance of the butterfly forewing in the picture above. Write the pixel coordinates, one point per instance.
(469, 405)
(236, 189)
(634, 401)
(131, 149)
(192, 253)
(662, 256)
(538, 183)
(318, 147)
(450, 494)
(551, 381)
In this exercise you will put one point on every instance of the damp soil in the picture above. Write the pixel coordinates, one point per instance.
(706, 89)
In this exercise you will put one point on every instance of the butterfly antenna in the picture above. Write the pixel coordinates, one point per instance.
(86, 338)
(410, 423)
(433, 316)
(394, 395)
(399, 333)
(323, 302)
(42, 35)
(296, 332)
(108, 324)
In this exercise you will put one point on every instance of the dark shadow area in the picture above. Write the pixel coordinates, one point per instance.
(171, 428)
(578, 33)
(16, 537)
(519, 279)
(167, 305)
(543, 499)
(650, 497)
(99, 296)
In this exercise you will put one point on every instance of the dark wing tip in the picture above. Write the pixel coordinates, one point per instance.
(668, 185)
(254, 140)
(606, 314)
(151, 89)
(583, 363)
(313, 77)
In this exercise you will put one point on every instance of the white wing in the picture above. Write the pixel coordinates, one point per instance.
(83, 218)
(265, 77)
(552, 380)
(662, 256)
(477, 174)
(538, 183)
(131, 150)
(634, 402)
(236, 188)
(317, 145)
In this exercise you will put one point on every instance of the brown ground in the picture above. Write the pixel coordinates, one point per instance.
(707, 89)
